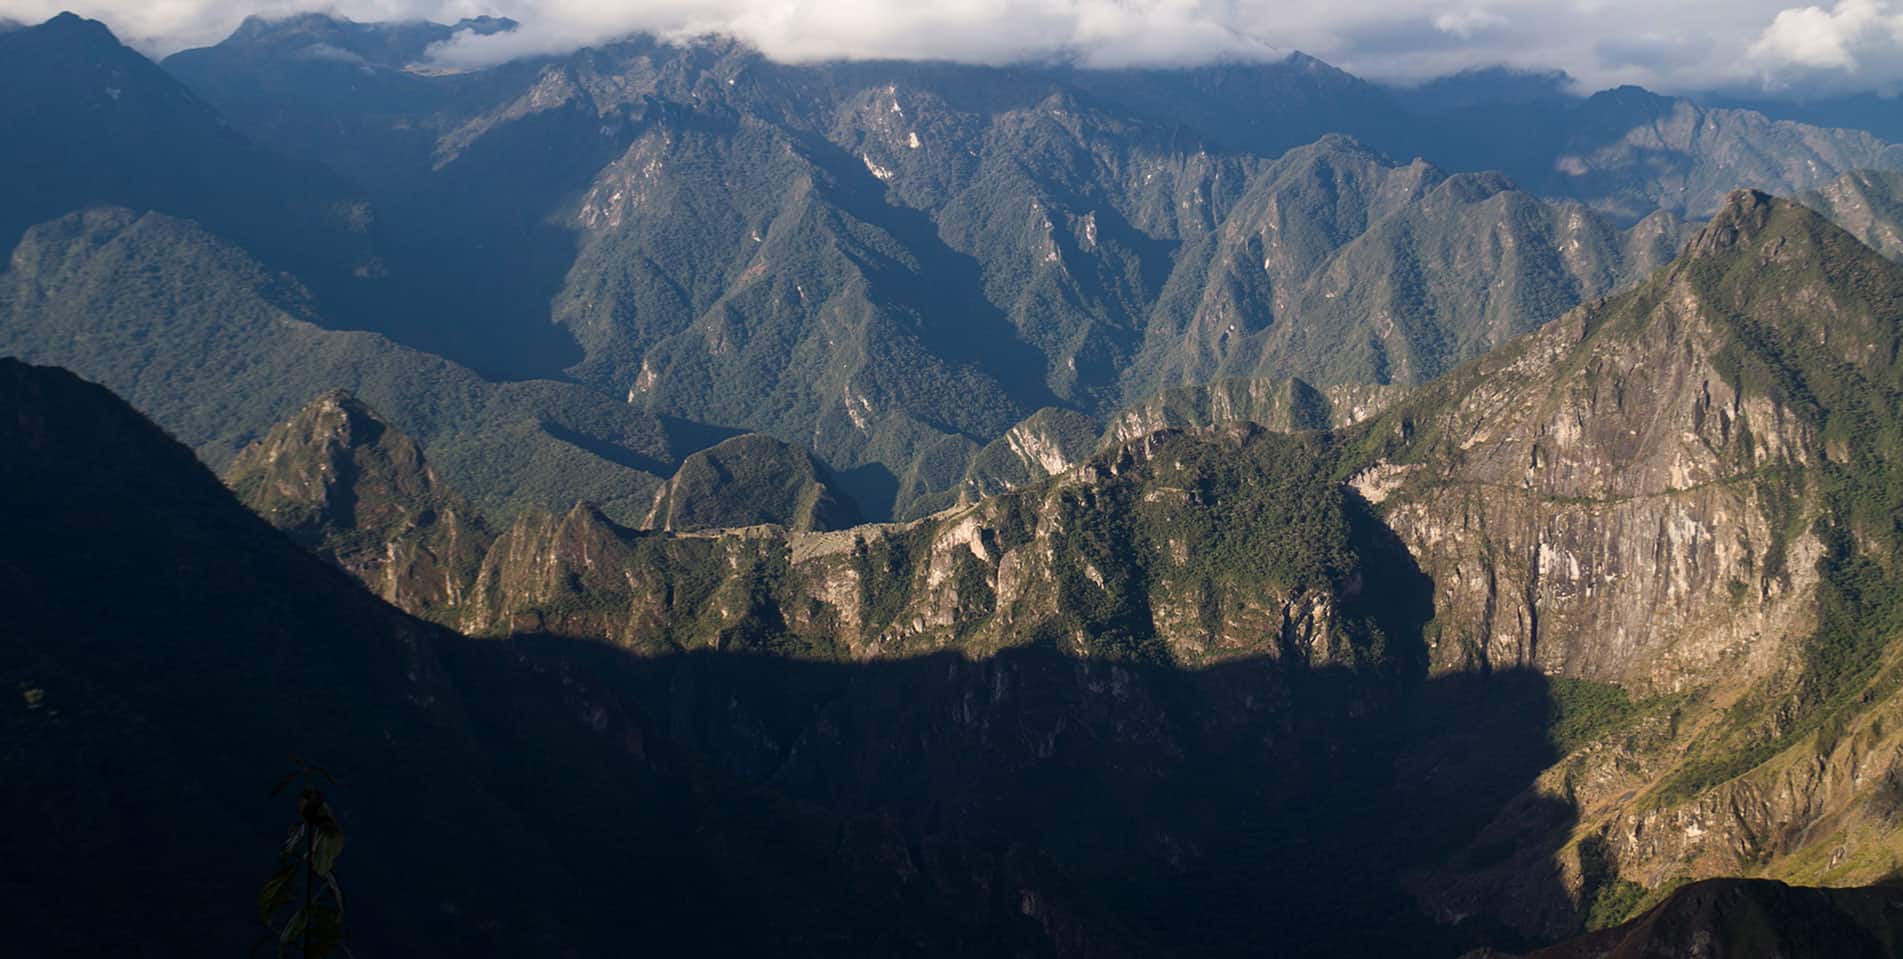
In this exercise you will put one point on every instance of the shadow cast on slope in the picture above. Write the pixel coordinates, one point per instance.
(547, 796)
(1228, 811)
(472, 268)
(1259, 805)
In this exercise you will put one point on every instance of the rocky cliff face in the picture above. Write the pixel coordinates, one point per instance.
(1678, 491)
(1629, 495)
(345, 484)
(1189, 547)
(1139, 553)
(1595, 504)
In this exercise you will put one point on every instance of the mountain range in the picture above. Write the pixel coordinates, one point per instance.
(1675, 503)
(702, 502)
(727, 241)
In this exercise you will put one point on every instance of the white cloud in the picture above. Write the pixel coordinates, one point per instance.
(1665, 44)
(1465, 23)
(1855, 36)
(989, 31)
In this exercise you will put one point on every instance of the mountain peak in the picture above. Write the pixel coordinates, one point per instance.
(268, 26)
(75, 28)
(338, 412)
(343, 401)
(750, 480)
(341, 480)
(313, 470)
(1340, 142)
(485, 25)
(1743, 217)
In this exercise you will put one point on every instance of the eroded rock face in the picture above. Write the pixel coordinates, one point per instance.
(1665, 492)
(1613, 521)
(345, 484)
(1142, 552)
(1605, 502)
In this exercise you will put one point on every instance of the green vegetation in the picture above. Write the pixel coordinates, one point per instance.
(1614, 902)
(1583, 711)
(198, 336)
(747, 481)
(1608, 899)
(1240, 513)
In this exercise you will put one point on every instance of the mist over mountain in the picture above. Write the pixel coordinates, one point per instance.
(888, 486)
(1770, 45)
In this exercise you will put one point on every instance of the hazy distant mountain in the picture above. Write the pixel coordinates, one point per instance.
(1261, 108)
(891, 264)
(1868, 203)
(810, 251)
(1338, 267)
(707, 224)
(396, 45)
(218, 349)
(90, 122)
(1878, 114)
(1486, 87)
(1628, 152)
(332, 89)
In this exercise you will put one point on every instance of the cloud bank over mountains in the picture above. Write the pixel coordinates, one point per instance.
(1672, 46)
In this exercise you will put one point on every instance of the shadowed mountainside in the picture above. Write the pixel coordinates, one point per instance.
(1027, 804)
(91, 122)
(1752, 917)
(498, 799)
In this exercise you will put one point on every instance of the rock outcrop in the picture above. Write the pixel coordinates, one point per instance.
(1148, 551)
(1684, 491)
(746, 481)
(342, 482)
(1606, 500)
